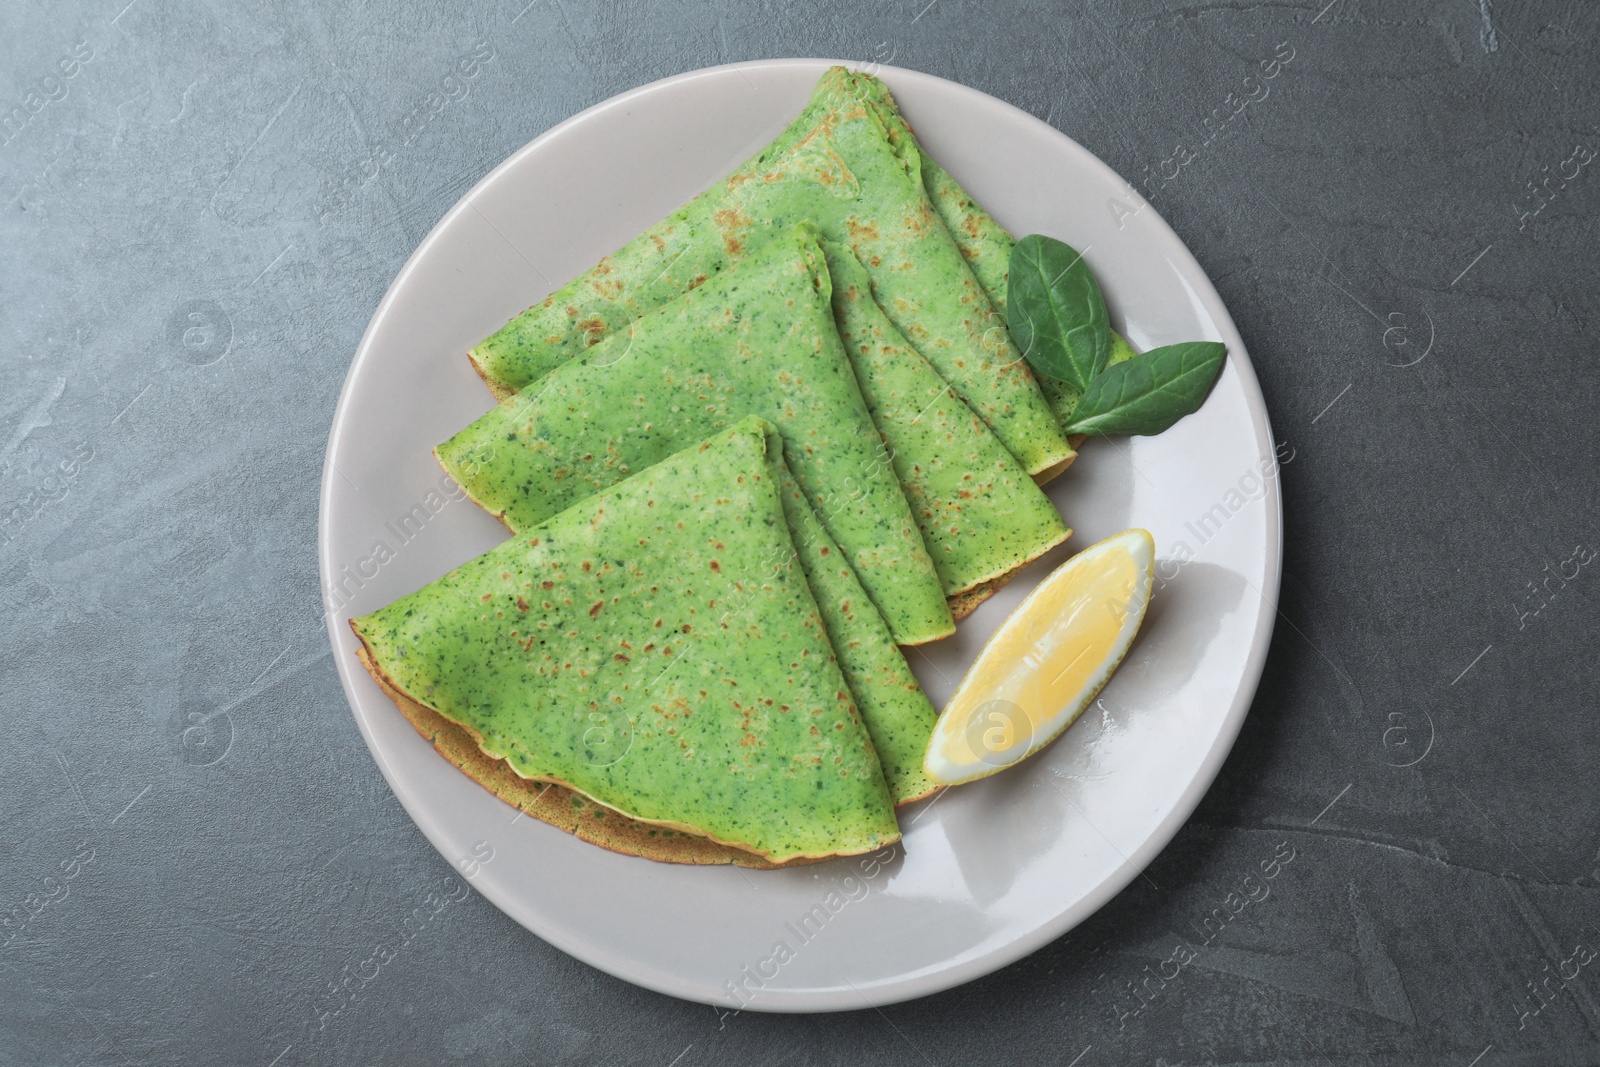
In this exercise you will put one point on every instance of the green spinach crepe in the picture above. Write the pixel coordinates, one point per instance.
(980, 513)
(612, 650)
(835, 167)
(898, 715)
(756, 339)
(983, 241)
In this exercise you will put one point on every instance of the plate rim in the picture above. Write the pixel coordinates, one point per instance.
(913, 986)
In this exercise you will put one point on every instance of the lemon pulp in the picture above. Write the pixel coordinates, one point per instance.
(1047, 662)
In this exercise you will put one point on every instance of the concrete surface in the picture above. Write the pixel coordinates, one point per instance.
(192, 241)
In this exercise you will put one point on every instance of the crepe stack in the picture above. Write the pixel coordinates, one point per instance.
(943, 509)
(759, 339)
(743, 458)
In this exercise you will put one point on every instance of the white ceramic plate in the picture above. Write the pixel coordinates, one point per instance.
(987, 872)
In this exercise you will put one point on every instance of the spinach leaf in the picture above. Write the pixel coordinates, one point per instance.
(1149, 394)
(1063, 398)
(1056, 312)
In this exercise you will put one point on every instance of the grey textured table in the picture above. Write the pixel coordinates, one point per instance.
(200, 862)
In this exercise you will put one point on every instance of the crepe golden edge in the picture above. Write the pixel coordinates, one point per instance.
(557, 804)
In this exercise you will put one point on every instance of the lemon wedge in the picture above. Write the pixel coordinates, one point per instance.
(1047, 662)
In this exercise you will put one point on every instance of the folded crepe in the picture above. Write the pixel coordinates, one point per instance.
(983, 242)
(756, 339)
(835, 167)
(657, 650)
(981, 515)
(898, 715)
(987, 247)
